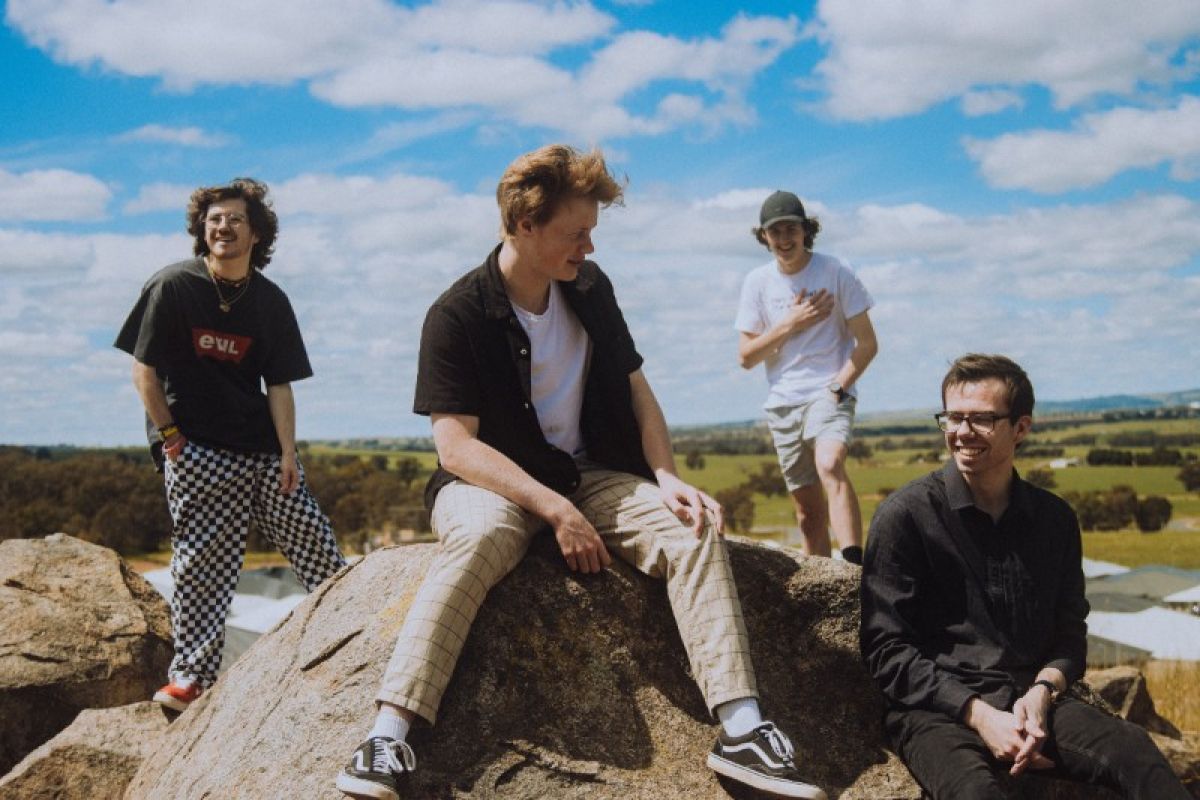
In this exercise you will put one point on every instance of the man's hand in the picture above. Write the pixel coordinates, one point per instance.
(689, 505)
(809, 309)
(1030, 712)
(289, 473)
(1005, 737)
(581, 546)
(174, 446)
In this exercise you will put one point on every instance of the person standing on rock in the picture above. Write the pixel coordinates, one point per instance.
(804, 315)
(974, 616)
(206, 334)
(544, 421)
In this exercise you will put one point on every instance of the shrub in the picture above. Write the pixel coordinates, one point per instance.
(1153, 513)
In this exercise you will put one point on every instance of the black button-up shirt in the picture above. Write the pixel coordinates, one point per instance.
(955, 605)
(475, 360)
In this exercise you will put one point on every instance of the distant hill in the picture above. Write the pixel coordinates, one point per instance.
(1116, 402)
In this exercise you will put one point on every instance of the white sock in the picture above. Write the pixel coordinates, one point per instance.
(739, 717)
(390, 724)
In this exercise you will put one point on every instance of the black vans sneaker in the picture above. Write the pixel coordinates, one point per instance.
(374, 768)
(762, 759)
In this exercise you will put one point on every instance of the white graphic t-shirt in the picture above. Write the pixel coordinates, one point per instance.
(806, 363)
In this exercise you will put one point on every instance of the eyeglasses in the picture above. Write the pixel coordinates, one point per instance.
(983, 422)
(232, 220)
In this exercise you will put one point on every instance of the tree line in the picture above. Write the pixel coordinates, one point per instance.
(115, 498)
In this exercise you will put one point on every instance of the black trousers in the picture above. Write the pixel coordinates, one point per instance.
(951, 762)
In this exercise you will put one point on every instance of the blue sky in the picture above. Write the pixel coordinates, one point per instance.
(1012, 177)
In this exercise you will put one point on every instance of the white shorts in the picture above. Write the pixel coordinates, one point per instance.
(796, 429)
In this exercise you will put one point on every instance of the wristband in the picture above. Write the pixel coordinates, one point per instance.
(167, 431)
(1049, 686)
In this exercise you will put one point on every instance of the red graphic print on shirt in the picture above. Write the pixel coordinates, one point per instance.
(220, 346)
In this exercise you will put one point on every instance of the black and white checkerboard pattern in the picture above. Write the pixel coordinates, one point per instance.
(212, 495)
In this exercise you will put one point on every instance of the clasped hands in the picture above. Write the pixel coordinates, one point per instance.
(1014, 736)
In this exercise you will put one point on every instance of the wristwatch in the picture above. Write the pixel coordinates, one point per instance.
(838, 391)
(1049, 687)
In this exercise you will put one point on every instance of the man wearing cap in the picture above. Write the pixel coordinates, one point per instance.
(804, 315)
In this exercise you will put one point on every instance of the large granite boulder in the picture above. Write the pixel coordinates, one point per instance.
(570, 686)
(79, 630)
(93, 759)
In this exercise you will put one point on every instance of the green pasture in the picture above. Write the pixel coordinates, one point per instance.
(1134, 549)
(890, 469)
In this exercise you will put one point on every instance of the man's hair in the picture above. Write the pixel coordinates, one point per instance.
(536, 184)
(976, 367)
(811, 225)
(263, 221)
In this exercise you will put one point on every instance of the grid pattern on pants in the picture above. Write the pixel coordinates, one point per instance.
(483, 537)
(212, 495)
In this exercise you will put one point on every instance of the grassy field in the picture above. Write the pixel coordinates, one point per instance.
(1175, 687)
(890, 469)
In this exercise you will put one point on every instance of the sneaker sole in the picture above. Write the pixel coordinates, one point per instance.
(766, 783)
(357, 787)
(170, 701)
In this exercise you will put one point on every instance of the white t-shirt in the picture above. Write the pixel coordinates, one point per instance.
(559, 353)
(807, 362)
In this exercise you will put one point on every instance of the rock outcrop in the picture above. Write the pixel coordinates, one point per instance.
(79, 630)
(1124, 690)
(93, 759)
(569, 687)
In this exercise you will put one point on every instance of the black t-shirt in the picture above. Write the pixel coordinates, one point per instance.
(213, 363)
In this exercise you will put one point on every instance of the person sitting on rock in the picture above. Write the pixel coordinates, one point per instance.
(973, 614)
(543, 420)
(206, 334)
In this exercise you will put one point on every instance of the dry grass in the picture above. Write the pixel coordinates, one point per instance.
(1175, 687)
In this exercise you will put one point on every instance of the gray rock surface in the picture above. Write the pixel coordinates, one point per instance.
(79, 629)
(569, 687)
(93, 759)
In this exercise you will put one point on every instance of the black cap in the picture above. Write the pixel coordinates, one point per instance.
(781, 206)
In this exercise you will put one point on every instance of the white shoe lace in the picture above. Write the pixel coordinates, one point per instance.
(394, 756)
(779, 741)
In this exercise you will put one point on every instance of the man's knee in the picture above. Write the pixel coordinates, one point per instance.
(831, 464)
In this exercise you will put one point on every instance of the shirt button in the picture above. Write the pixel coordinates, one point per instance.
(527, 406)
(524, 351)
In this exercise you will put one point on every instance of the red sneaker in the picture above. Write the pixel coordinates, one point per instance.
(178, 697)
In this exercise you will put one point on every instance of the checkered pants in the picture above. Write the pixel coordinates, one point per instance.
(483, 537)
(212, 496)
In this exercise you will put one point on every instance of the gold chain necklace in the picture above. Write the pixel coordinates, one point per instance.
(224, 302)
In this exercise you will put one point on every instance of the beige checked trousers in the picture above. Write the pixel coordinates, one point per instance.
(483, 537)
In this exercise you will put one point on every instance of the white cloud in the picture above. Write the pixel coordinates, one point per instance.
(465, 55)
(897, 59)
(982, 102)
(190, 136)
(1097, 296)
(1100, 146)
(32, 252)
(51, 195)
(159, 197)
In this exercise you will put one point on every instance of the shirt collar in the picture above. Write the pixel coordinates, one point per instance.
(495, 299)
(959, 494)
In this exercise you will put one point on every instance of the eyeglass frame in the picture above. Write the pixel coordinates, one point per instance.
(233, 220)
(971, 419)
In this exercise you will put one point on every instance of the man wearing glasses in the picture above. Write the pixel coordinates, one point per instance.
(206, 334)
(804, 315)
(973, 614)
